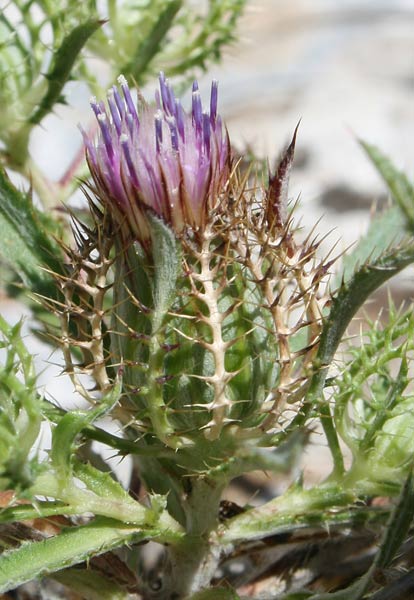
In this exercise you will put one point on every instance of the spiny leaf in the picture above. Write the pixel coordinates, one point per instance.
(41, 509)
(299, 509)
(62, 65)
(348, 300)
(400, 187)
(370, 418)
(146, 51)
(71, 547)
(69, 428)
(282, 459)
(350, 297)
(26, 237)
(55, 414)
(386, 229)
(20, 410)
(100, 483)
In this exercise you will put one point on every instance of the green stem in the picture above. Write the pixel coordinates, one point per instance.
(193, 560)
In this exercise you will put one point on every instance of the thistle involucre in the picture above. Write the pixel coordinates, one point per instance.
(158, 158)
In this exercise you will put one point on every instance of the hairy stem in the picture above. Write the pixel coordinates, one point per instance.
(193, 560)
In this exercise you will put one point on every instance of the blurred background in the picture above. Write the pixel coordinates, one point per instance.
(344, 68)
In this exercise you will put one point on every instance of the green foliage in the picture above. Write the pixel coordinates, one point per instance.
(20, 411)
(204, 35)
(141, 42)
(166, 268)
(27, 242)
(398, 184)
(153, 41)
(91, 585)
(33, 70)
(346, 301)
(385, 231)
(70, 426)
(71, 547)
(352, 295)
(373, 410)
(62, 66)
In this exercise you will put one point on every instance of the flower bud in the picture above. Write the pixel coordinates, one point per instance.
(158, 158)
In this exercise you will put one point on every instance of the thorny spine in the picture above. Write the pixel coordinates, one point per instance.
(209, 278)
(288, 275)
(88, 281)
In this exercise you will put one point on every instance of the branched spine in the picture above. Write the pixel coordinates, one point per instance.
(84, 293)
(288, 276)
(209, 296)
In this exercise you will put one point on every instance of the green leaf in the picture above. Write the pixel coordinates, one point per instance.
(297, 508)
(373, 403)
(20, 410)
(351, 296)
(202, 36)
(398, 527)
(167, 261)
(172, 35)
(26, 237)
(92, 432)
(282, 459)
(151, 45)
(102, 484)
(62, 65)
(70, 426)
(385, 230)
(71, 547)
(23, 512)
(399, 186)
(264, 522)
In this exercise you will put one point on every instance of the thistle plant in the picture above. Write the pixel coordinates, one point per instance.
(196, 317)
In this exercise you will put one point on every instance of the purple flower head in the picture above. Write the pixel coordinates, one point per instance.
(159, 158)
